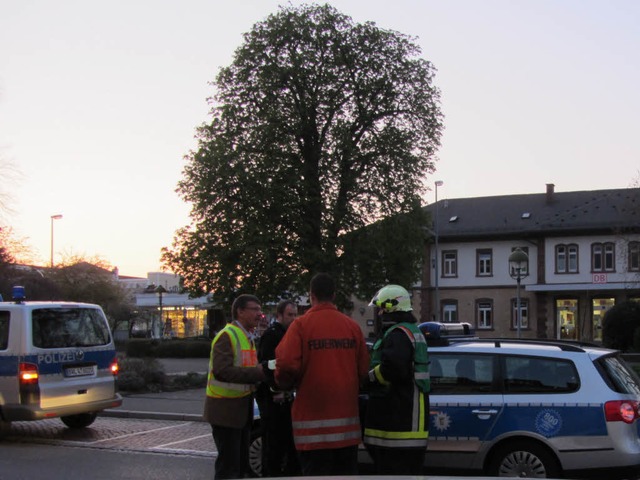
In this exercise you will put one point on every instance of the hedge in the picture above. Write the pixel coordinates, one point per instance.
(174, 348)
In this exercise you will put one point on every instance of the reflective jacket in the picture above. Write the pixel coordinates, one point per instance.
(397, 413)
(324, 354)
(244, 356)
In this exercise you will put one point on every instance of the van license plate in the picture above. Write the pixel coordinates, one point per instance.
(79, 371)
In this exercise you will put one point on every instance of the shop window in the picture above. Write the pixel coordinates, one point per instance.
(567, 318)
(599, 308)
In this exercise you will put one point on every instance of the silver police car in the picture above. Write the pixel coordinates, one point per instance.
(529, 408)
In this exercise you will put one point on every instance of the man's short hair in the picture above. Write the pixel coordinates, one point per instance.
(282, 306)
(241, 302)
(323, 287)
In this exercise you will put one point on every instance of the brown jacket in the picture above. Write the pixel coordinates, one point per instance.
(230, 412)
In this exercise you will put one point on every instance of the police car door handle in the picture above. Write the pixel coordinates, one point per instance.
(484, 412)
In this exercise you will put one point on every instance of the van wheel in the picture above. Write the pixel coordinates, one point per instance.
(523, 459)
(80, 420)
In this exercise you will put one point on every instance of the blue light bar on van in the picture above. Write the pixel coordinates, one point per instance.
(18, 294)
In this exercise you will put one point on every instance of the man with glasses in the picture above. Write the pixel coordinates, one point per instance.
(234, 373)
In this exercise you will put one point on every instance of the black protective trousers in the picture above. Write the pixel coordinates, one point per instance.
(279, 456)
(233, 451)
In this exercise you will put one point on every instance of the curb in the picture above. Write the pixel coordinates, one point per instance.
(185, 417)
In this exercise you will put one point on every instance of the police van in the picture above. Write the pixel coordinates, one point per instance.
(57, 359)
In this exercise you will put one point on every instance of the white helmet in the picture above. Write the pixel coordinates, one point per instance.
(392, 298)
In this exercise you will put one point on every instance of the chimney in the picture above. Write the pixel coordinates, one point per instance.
(550, 187)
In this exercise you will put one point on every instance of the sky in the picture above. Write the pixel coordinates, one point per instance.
(99, 103)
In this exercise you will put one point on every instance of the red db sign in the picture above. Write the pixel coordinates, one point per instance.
(599, 278)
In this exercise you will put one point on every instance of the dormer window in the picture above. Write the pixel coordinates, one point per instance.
(526, 215)
(453, 219)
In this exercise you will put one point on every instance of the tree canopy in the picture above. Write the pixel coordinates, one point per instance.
(320, 127)
(75, 279)
(621, 327)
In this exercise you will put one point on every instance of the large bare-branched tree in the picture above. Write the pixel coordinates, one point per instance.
(320, 126)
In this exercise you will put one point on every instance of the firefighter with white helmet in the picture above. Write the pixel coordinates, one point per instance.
(397, 413)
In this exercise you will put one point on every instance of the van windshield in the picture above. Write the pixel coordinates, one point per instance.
(69, 327)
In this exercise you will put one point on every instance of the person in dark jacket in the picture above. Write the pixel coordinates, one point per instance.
(279, 457)
(397, 412)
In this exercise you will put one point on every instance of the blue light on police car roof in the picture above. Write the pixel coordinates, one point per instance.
(18, 294)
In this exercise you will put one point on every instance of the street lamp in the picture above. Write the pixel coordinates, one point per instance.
(160, 290)
(53, 217)
(518, 262)
(438, 183)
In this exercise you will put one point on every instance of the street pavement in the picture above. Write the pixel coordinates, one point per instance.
(184, 405)
(155, 431)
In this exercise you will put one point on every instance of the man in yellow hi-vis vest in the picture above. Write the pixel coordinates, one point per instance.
(233, 376)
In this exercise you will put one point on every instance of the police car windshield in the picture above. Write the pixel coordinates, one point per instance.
(68, 327)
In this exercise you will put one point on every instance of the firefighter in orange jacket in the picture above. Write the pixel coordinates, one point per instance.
(324, 355)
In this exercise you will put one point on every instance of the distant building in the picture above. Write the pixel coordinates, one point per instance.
(163, 310)
(583, 257)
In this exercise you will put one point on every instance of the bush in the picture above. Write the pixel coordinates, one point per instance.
(141, 374)
(142, 348)
(138, 375)
(190, 380)
(131, 382)
(620, 327)
(174, 348)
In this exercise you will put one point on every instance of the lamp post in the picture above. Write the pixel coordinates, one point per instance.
(160, 290)
(438, 183)
(518, 261)
(53, 217)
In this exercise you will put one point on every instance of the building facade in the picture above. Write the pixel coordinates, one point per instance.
(583, 253)
(163, 310)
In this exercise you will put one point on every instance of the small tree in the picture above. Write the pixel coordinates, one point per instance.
(15, 256)
(620, 326)
(92, 281)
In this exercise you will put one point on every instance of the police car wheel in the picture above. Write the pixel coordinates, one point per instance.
(80, 420)
(523, 459)
(5, 428)
(255, 453)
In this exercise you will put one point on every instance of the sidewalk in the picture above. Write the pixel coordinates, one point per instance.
(186, 405)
